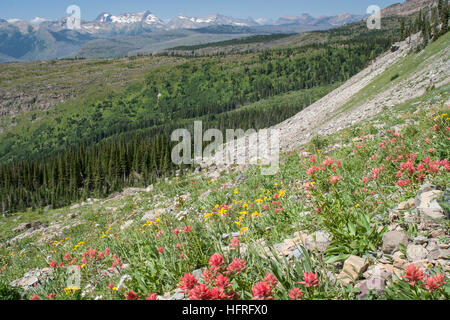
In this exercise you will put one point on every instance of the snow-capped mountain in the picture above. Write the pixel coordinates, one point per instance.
(43, 39)
(140, 22)
(145, 17)
(184, 22)
(307, 20)
(38, 20)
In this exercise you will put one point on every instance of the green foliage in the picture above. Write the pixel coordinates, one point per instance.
(8, 293)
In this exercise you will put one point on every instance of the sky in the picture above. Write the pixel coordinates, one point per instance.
(167, 9)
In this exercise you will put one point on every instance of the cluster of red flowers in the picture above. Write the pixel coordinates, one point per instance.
(415, 275)
(216, 280)
(86, 257)
(327, 163)
(131, 295)
(263, 289)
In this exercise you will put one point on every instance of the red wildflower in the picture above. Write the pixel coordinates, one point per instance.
(311, 170)
(309, 280)
(53, 264)
(200, 292)
(131, 296)
(262, 291)
(271, 280)
(152, 296)
(51, 295)
(35, 297)
(295, 294)
(235, 243)
(236, 266)
(92, 253)
(222, 281)
(432, 283)
(216, 261)
(335, 179)
(413, 274)
(187, 229)
(218, 293)
(160, 249)
(207, 276)
(188, 282)
(176, 231)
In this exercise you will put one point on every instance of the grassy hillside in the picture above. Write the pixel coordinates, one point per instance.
(271, 219)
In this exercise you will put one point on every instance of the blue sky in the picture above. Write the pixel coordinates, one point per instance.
(90, 9)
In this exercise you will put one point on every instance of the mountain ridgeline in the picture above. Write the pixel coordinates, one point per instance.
(124, 139)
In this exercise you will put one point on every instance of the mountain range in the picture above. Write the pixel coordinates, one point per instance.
(143, 32)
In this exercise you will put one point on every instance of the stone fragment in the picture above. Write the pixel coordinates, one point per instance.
(354, 266)
(416, 252)
(319, 241)
(392, 241)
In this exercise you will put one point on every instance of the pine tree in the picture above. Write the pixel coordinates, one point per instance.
(444, 17)
(402, 30)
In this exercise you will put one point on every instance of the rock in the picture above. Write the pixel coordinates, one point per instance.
(438, 233)
(399, 260)
(298, 253)
(149, 188)
(181, 215)
(151, 215)
(75, 206)
(439, 254)
(421, 263)
(126, 225)
(427, 204)
(214, 175)
(36, 224)
(432, 245)
(384, 271)
(354, 266)
(242, 177)
(198, 274)
(420, 240)
(416, 252)
(22, 227)
(392, 241)
(232, 235)
(319, 241)
(433, 213)
(178, 295)
(32, 278)
(331, 276)
(406, 204)
(374, 283)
